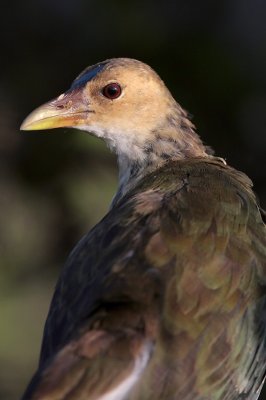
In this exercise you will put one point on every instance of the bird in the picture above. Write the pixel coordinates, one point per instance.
(164, 299)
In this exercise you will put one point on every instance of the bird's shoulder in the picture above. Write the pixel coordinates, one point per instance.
(187, 243)
(171, 209)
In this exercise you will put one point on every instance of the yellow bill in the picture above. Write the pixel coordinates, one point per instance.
(68, 110)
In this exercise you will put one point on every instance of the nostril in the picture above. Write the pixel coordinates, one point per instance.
(64, 105)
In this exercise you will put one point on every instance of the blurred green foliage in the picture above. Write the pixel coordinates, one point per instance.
(55, 186)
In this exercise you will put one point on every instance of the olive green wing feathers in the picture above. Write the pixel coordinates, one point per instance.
(171, 280)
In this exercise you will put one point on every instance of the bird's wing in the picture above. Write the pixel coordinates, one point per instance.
(99, 365)
(173, 278)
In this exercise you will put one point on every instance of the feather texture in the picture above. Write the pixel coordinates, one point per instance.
(179, 262)
(164, 299)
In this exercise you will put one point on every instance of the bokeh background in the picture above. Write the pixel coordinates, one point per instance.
(55, 185)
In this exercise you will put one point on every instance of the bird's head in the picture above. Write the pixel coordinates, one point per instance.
(124, 102)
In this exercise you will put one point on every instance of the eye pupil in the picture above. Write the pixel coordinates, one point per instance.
(112, 91)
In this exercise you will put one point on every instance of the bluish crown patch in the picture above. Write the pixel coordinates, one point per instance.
(87, 75)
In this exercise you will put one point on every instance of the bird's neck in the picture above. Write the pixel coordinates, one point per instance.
(174, 139)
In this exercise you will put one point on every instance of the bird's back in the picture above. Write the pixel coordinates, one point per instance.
(165, 297)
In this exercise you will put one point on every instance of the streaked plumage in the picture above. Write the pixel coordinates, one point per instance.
(164, 299)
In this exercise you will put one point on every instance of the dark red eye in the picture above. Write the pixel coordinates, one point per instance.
(112, 91)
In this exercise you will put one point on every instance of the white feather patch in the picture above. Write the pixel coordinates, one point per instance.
(125, 386)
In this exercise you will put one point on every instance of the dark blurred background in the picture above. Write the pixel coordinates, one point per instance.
(55, 185)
